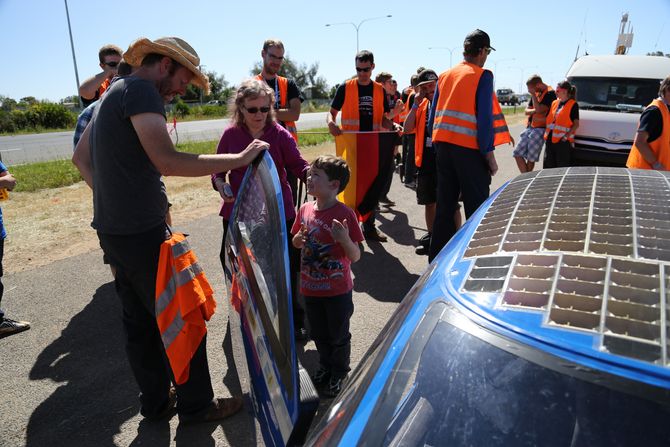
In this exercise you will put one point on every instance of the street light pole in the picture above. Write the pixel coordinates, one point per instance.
(451, 51)
(495, 69)
(74, 58)
(357, 27)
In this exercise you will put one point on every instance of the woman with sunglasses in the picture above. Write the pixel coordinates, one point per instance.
(562, 123)
(253, 118)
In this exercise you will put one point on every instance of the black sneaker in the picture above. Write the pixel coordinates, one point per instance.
(321, 376)
(10, 327)
(386, 201)
(335, 385)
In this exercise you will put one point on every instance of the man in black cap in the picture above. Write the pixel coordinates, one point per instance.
(465, 133)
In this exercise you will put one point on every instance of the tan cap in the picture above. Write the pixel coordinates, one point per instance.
(173, 47)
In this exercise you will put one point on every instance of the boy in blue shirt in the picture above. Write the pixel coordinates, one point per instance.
(7, 326)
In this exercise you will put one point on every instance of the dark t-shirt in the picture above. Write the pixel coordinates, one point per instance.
(292, 91)
(547, 100)
(128, 194)
(651, 121)
(364, 104)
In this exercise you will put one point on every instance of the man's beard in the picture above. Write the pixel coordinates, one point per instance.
(269, 70)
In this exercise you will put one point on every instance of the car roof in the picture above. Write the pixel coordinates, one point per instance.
(621, 66)
(576, 262)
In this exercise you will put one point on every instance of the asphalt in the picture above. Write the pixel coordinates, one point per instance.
(66, 381)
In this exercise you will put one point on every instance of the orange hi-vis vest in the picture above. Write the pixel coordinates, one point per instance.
(540, 119)
(559, 124)
(456, 114)
(184, 301)
(350, 112)
(405, 112)
(420, 118)
(660, 146)
(282, 87)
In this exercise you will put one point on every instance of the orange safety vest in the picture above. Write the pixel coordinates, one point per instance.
(350, 112)
(405, 112)
(660, 146)
(540, 119)
(184, 301)
(282, 86)
(560, 124)
(104, 86)
(420, 117)
(456, 115)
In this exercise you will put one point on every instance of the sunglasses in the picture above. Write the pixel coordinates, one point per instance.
(111, 64)
(255, 110)
(364, 70)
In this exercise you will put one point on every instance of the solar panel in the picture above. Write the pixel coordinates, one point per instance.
(586, 248)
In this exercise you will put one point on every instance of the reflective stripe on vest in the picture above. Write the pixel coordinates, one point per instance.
(559, 124)
(420, 119)
(350, 109)
(184, 300)
(660, 146)
(456, 115)
(282, 84)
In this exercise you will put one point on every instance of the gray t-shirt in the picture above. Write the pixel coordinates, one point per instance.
(128, 194)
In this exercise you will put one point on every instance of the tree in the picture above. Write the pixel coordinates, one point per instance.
(219, 88)
(658, 53)
(28, 101)
(305, 77)
(7, 104)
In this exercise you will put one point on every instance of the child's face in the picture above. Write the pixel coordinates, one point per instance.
(318, 184)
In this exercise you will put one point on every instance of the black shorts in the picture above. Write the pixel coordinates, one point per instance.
(426, 179)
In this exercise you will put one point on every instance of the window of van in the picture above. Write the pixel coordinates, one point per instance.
(623, 94)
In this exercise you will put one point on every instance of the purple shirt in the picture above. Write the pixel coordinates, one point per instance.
(284, 153)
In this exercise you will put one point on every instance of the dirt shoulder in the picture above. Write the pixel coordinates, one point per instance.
(49, 225)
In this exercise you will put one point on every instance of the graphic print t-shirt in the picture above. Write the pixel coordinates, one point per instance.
(325, 270)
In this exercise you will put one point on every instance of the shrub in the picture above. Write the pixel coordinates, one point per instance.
(181, 109)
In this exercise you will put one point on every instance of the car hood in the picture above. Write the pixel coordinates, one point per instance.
(613, 127)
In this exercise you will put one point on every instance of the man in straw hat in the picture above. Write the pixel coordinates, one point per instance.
(129, 149)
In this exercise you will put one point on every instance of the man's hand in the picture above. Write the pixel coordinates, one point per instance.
(399, 105)
(252, 151)
(334, 129)
(7, 181)
(491, 161)
(418, 97)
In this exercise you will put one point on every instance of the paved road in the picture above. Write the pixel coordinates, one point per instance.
(20, 149)
(66, 382)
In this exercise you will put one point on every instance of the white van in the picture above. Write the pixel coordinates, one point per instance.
(612, 92)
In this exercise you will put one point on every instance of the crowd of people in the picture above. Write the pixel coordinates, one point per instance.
(447, 128)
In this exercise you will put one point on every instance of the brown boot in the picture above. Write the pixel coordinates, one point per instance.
(221, 408)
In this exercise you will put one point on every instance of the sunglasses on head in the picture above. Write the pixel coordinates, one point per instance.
(364, 70)
(254, 110)
(111, 64)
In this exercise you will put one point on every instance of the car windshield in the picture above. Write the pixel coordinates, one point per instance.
(623, 94)
(458, 384)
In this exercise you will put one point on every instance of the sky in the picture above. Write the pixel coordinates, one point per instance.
(529, 36)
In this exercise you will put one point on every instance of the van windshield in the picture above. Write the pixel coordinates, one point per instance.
(622, 94)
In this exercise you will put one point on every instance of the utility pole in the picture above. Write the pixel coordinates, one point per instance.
(74, 58)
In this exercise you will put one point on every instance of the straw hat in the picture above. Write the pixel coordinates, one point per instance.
(173, 47)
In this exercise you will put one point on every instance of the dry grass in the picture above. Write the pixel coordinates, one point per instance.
(55, 224)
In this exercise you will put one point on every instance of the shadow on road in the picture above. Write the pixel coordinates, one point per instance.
(381, 275)
(98, 393)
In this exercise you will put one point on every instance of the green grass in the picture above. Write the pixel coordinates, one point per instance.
(58, 173)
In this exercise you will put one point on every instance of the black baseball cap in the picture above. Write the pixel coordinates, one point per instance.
(427, 76)
(477, 40)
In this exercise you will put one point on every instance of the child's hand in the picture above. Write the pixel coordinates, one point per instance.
(300, 237)
(339, 230)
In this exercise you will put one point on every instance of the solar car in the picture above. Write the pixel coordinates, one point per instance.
(543, 322)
